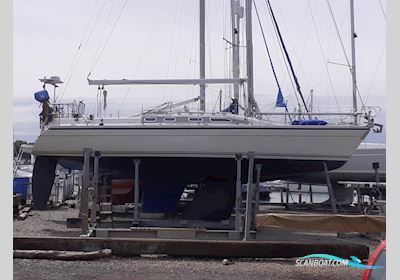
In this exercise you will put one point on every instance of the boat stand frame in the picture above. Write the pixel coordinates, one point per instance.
(238, 227)
(330, 189)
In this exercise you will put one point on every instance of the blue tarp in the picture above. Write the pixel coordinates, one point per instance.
(161, 197)
(20, 185)
(42, 96)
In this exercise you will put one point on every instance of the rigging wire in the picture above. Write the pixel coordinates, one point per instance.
(375, 73)
(295, 55)
(82, 39)
(179, 39)
(191, 49)
(102, 34)
(382, 9)
(284, 60)
(283, 67)
(108, 38)
(338, 34)
(287, 55)
(333, 38)
(210, 22)
(227, 17)
(343, 48)
(303, 52)
(299, 35)
(224, 44)
(171, 47)
(208, 30)
(79, 51)
(336, 38)
(270, 58)
(323, 55)
(84, 47)
(266, 46)
(142, 55)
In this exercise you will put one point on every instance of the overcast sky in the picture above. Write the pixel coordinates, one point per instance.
(159, 39)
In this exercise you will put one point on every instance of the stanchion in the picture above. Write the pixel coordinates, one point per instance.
(330, 189)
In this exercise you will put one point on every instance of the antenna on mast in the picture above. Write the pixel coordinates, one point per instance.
(53, 80)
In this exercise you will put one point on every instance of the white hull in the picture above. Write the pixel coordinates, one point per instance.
(336, 143)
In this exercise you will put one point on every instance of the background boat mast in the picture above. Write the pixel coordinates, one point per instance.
(252, 104)
(236, 15)
(353, 59)
(202, 55)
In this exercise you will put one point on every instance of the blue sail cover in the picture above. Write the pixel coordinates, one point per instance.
(280, 102)
(309, 122)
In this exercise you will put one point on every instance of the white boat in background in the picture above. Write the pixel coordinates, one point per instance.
(177, 148)
(24, 171)
(365, 167)
(359, 168)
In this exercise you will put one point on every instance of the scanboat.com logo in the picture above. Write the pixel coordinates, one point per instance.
(330, 260)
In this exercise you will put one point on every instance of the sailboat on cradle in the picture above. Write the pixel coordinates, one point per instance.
(180, 148)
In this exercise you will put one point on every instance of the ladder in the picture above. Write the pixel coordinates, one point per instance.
(105, 199)
(17, 161)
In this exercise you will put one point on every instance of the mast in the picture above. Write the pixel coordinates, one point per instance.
(202, 55)
(353, 59)
(252, 105)
(236, 15)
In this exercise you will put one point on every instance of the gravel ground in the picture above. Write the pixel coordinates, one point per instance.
(53, 223)
(167, 268)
